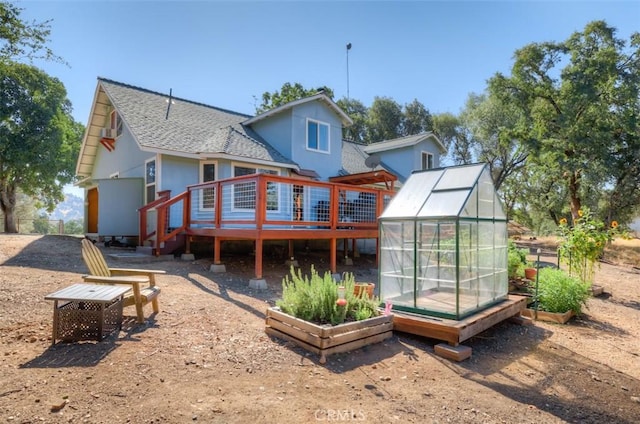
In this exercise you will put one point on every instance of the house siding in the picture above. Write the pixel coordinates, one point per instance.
(398, 159)
(127, 159)
(325, 164)
(277, 131)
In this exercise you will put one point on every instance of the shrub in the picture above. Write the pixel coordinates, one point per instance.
(314, 299)
(517, 259)
(560, 292)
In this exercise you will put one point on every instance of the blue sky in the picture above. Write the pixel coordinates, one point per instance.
(227, 54)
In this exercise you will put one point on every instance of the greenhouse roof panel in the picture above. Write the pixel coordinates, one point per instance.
(459, 177)
(412, 196)
(444, 203)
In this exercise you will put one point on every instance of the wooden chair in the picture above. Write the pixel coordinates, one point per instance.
(101, 273)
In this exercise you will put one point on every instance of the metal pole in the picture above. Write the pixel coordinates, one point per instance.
(348, 48)
(537, 279)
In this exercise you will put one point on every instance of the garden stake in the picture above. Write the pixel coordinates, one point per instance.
(535, 310)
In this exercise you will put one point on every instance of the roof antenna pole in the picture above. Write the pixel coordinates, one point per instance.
(348, 48)
(169, 104)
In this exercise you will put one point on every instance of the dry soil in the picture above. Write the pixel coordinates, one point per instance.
(206, 358)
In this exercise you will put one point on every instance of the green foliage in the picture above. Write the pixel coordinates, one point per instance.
(40, 139)
(20, 39)
(288, 93)
(583, 243)
(41, 224)
(577, 108)
(314, 298)
(559, 292)
(517, 260)
(74, 226)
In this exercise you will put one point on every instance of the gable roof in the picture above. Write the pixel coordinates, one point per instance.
(346, 121)
(410, 140)
(182, 128)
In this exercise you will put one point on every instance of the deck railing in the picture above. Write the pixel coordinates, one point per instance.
(265, 201)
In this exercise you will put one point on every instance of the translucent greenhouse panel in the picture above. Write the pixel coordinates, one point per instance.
(486, 194)
(468, 256)
(498, 210)
(397, 262)
(411, 197)
(444, 204)
(428, 255)
(470, 209)
(459, 177)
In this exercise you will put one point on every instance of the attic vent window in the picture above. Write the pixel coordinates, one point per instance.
(317, 136)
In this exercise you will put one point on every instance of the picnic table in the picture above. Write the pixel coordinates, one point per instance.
(86, 311)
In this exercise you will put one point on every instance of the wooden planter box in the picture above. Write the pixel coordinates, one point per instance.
(327, 339)
(549, 316)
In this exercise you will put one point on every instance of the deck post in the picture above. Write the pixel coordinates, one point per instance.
(217, 265)
(258, 282)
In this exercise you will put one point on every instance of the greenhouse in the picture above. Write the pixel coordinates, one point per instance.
(443, 244)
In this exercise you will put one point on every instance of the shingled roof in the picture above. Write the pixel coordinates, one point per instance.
(188, 129)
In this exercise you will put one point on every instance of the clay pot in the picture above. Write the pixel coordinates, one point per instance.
(364, 287)
(530, 273)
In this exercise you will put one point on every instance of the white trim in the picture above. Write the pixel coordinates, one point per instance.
(397, 143)
(319, 123)
(156, 182)
(346, 120)
(424, 152)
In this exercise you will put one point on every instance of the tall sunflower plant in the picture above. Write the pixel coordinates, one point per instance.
(582, 244)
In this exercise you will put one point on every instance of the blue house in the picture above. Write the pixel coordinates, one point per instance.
(142, 148)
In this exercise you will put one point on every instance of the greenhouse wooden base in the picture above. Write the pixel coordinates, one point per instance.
(455, 332)
(325, 340)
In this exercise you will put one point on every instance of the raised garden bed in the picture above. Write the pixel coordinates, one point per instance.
(560, 318)
(325, 340)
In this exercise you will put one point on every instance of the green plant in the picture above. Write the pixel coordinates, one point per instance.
(315, 298)
(583, 243)
(560, 292)
(516, 261)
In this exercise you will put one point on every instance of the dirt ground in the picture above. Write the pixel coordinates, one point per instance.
(206, 358)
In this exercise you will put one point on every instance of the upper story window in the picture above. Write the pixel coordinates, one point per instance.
(116, 123)
(427, 160)
(244, 194)
(317, 136)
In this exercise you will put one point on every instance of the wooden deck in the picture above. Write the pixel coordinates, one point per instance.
(455, 332)
(260, 207)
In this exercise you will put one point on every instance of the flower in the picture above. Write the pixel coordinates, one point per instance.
(580, 213)
(563, 221)
(341, 302)
(614, 224)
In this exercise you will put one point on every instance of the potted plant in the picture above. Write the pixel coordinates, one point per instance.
(558, 297)
(324, 316)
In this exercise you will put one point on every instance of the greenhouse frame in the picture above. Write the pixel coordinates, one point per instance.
(443, 244)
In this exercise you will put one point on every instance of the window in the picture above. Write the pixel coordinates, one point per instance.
(244, 194)
(317, 136)
(207, 173)
(116, 123)
(150, 180)
(427, 160)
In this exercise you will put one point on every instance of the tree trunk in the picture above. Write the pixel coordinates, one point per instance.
(8, 205)
(574, 197)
